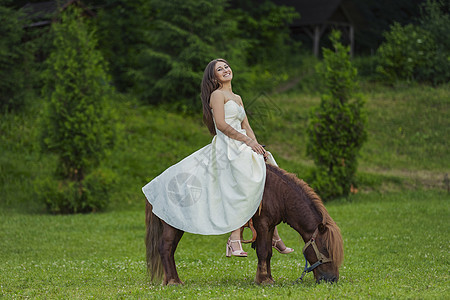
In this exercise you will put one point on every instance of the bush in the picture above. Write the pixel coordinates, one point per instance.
(78, 125)
(336, 129)
(407, 49)
(67, 196)
(418, 52)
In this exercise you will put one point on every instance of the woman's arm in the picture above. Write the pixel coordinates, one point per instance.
(246, 125)
(217, 103)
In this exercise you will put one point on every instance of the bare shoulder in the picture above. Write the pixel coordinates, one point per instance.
(217, 97)
(239, 99)
(217, 93)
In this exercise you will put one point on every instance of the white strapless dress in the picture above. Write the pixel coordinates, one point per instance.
(215, 190)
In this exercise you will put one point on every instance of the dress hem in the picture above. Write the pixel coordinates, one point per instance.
(203, 233)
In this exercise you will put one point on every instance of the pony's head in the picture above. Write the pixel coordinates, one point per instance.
(325, 247)
(324, 251)
(306, 213)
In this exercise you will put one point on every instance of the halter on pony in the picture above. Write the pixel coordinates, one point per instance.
(321, 259)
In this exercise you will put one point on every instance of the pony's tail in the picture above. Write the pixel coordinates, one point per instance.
(154, 229)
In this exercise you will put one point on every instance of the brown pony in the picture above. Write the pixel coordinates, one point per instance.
(286, 199)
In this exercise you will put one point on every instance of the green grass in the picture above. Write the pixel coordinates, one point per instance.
(396, 246)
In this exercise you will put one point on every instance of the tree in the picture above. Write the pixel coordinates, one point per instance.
(373, 17)
(435, 19)
(336, 128)
(122, 27)
(77, 124)
(265, 26)
(13, 57)
(185, 35)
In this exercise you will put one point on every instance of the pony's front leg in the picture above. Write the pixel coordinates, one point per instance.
(168, 244)
(264, 253)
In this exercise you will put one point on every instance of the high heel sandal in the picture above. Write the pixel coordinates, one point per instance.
(240, 252)
(285, 251)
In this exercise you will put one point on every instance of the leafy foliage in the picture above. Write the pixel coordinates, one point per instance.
(184, 37)
(68, 196)
(122, 27)
(265, 26)
(418, 52)
(336, 128)
(407, 49)
(373, 17)
(266, 51)
(435, 19)
(13, 58)
(77, 126)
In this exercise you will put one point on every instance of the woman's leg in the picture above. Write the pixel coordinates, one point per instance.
(236, 236)
(278, 244)
(234, 242)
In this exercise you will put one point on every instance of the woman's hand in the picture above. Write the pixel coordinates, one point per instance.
(256, 147)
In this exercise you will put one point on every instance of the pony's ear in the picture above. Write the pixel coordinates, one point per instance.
(322, 228)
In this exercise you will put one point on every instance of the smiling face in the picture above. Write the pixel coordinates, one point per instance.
(223, 72)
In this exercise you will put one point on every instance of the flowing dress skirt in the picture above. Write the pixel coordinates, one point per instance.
(215, 190)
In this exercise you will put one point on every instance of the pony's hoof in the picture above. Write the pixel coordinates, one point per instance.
(174, 282)
(264, 281)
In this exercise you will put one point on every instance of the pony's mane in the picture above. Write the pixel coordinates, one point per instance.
(332, 237)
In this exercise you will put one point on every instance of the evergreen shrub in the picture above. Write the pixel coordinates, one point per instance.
(336, 128)
(78, 121)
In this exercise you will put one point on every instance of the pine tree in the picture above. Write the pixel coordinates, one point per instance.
(12, 60)
(77, 123)
(336, 128)
(185, 35)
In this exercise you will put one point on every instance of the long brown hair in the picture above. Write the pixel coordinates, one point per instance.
(209, 85)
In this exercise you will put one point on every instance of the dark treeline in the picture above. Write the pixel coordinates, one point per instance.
(373, 16)
(376, 16)
(157, 49)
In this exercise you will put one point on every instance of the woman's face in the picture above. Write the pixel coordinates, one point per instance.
(223, 72)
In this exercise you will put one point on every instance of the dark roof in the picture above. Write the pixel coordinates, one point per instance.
(40, 14)
(42, 10)
(313, 12)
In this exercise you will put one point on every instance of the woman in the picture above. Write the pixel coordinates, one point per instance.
(218, 188)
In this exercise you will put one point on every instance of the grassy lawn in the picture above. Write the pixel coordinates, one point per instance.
(396, 246)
